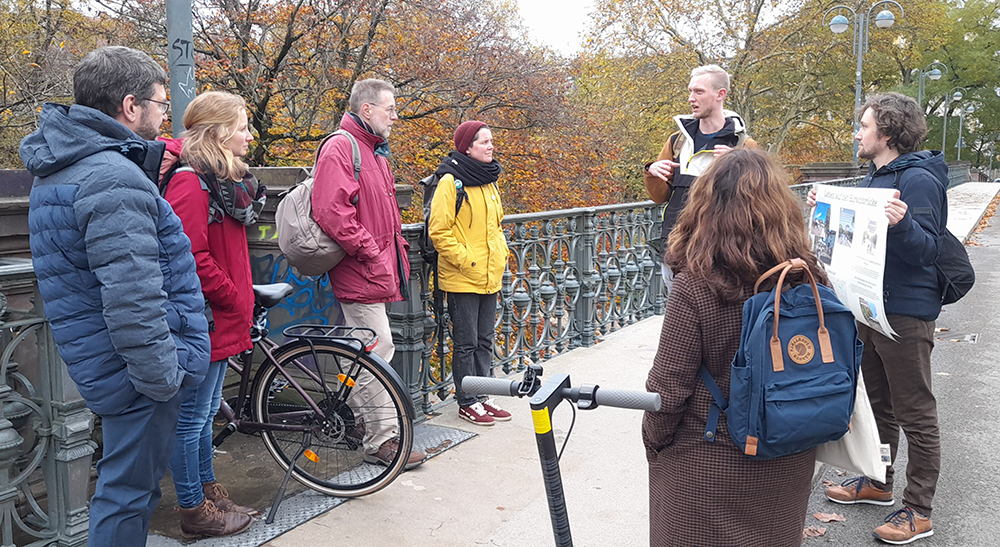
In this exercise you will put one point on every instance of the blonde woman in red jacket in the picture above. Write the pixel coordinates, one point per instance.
(216, 198)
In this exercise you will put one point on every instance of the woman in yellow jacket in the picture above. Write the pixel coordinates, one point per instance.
(464, 226)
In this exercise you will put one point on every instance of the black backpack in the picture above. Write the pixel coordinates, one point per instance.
(954, 269)
(427, 251)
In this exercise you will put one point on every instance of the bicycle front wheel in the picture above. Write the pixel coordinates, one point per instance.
(361, 406)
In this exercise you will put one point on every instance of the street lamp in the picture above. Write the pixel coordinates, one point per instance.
(955, 94)
(928, 72)
(961, 118)
(839, 23)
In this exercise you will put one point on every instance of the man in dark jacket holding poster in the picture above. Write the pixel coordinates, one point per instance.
(897, 373)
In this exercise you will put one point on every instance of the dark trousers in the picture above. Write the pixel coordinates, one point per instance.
(137, 448)
(472, 329)
(898, 377)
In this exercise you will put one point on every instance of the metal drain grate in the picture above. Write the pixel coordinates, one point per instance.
(306, 505)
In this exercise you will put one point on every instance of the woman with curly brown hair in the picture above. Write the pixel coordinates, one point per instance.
(740, 220)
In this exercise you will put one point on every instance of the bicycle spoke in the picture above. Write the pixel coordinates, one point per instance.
(372, 409)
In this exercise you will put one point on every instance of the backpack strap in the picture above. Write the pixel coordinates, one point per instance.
(676, 143)
(823, 335)
(214, 201)
(719, 403)
(355, 151)
(167, 176)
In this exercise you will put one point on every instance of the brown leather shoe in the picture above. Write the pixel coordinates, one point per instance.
(904, 526)
(207, 520)
(220, 497)
(859, 490)
(387, 452)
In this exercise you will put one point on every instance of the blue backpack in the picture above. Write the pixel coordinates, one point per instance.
(793, 381)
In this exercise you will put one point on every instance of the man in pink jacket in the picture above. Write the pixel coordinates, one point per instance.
(363, 217)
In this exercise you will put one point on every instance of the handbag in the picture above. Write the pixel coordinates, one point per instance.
(859, 449)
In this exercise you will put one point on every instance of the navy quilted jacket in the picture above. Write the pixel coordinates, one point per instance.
(910, 285)
(114, 267)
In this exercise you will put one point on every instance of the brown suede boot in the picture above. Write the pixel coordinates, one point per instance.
(207, 520)
(220, 497)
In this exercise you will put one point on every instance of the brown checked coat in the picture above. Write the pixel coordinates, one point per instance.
(709, 494)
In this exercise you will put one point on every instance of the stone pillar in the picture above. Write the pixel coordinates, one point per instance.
(407, 320)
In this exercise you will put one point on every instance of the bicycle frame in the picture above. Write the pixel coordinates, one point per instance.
(239, 419)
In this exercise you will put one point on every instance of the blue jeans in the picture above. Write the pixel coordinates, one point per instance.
(191, 462)
(136, 445)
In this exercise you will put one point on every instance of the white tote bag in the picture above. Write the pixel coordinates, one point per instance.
(858, 450)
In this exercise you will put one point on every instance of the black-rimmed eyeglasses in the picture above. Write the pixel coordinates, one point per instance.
(164, 107)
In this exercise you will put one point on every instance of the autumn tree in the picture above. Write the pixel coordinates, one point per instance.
(793, 80)
(37, 54)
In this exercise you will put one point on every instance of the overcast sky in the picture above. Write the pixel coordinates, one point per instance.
(556, 23)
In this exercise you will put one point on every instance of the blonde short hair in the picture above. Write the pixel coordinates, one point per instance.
(719, 79)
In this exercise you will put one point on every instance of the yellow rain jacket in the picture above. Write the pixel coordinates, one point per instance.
(472, 248)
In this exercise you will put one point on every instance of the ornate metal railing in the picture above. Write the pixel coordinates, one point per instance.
(45, 446)
(573, 276)
(957, 174)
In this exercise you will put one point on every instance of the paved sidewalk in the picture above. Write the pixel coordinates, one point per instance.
(966, 205)
(488, 490)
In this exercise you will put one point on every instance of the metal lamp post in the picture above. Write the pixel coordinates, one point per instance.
(961, 118)
(839, 23)
(932, 73)
(954, 95)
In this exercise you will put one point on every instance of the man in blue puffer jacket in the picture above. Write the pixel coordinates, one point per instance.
(117, 277)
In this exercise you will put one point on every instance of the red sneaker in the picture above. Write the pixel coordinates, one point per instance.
(494, 410)
(476, 414)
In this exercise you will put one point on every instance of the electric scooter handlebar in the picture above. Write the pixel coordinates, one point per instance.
(621, 398)
(625, 398)
(490, 386)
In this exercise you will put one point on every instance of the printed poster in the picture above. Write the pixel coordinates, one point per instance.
(848, 228)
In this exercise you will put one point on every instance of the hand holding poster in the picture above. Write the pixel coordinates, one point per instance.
(848, 228)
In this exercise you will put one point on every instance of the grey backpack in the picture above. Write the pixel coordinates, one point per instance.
(303, 242)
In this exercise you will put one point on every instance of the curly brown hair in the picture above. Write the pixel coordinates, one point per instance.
(898, 117)
(740, 220)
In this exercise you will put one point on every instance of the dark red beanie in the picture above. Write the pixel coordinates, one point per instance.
(466, 133)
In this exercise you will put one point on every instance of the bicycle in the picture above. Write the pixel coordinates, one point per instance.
(544, 399)
(318, 395)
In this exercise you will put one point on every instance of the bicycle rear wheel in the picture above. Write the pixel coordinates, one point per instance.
(377, 408)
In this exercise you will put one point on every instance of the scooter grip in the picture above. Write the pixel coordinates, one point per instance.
(481, 385)
(623, 398)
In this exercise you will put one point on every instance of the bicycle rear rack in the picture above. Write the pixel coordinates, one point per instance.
(339, 333)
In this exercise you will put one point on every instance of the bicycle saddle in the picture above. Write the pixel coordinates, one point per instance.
(271, 295)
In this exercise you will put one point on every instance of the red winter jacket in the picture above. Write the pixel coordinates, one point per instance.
(222, 257)
(371, 231)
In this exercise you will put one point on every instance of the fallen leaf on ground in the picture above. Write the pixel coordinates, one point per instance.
(829, 483)
(830, 517)
(813, 532)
